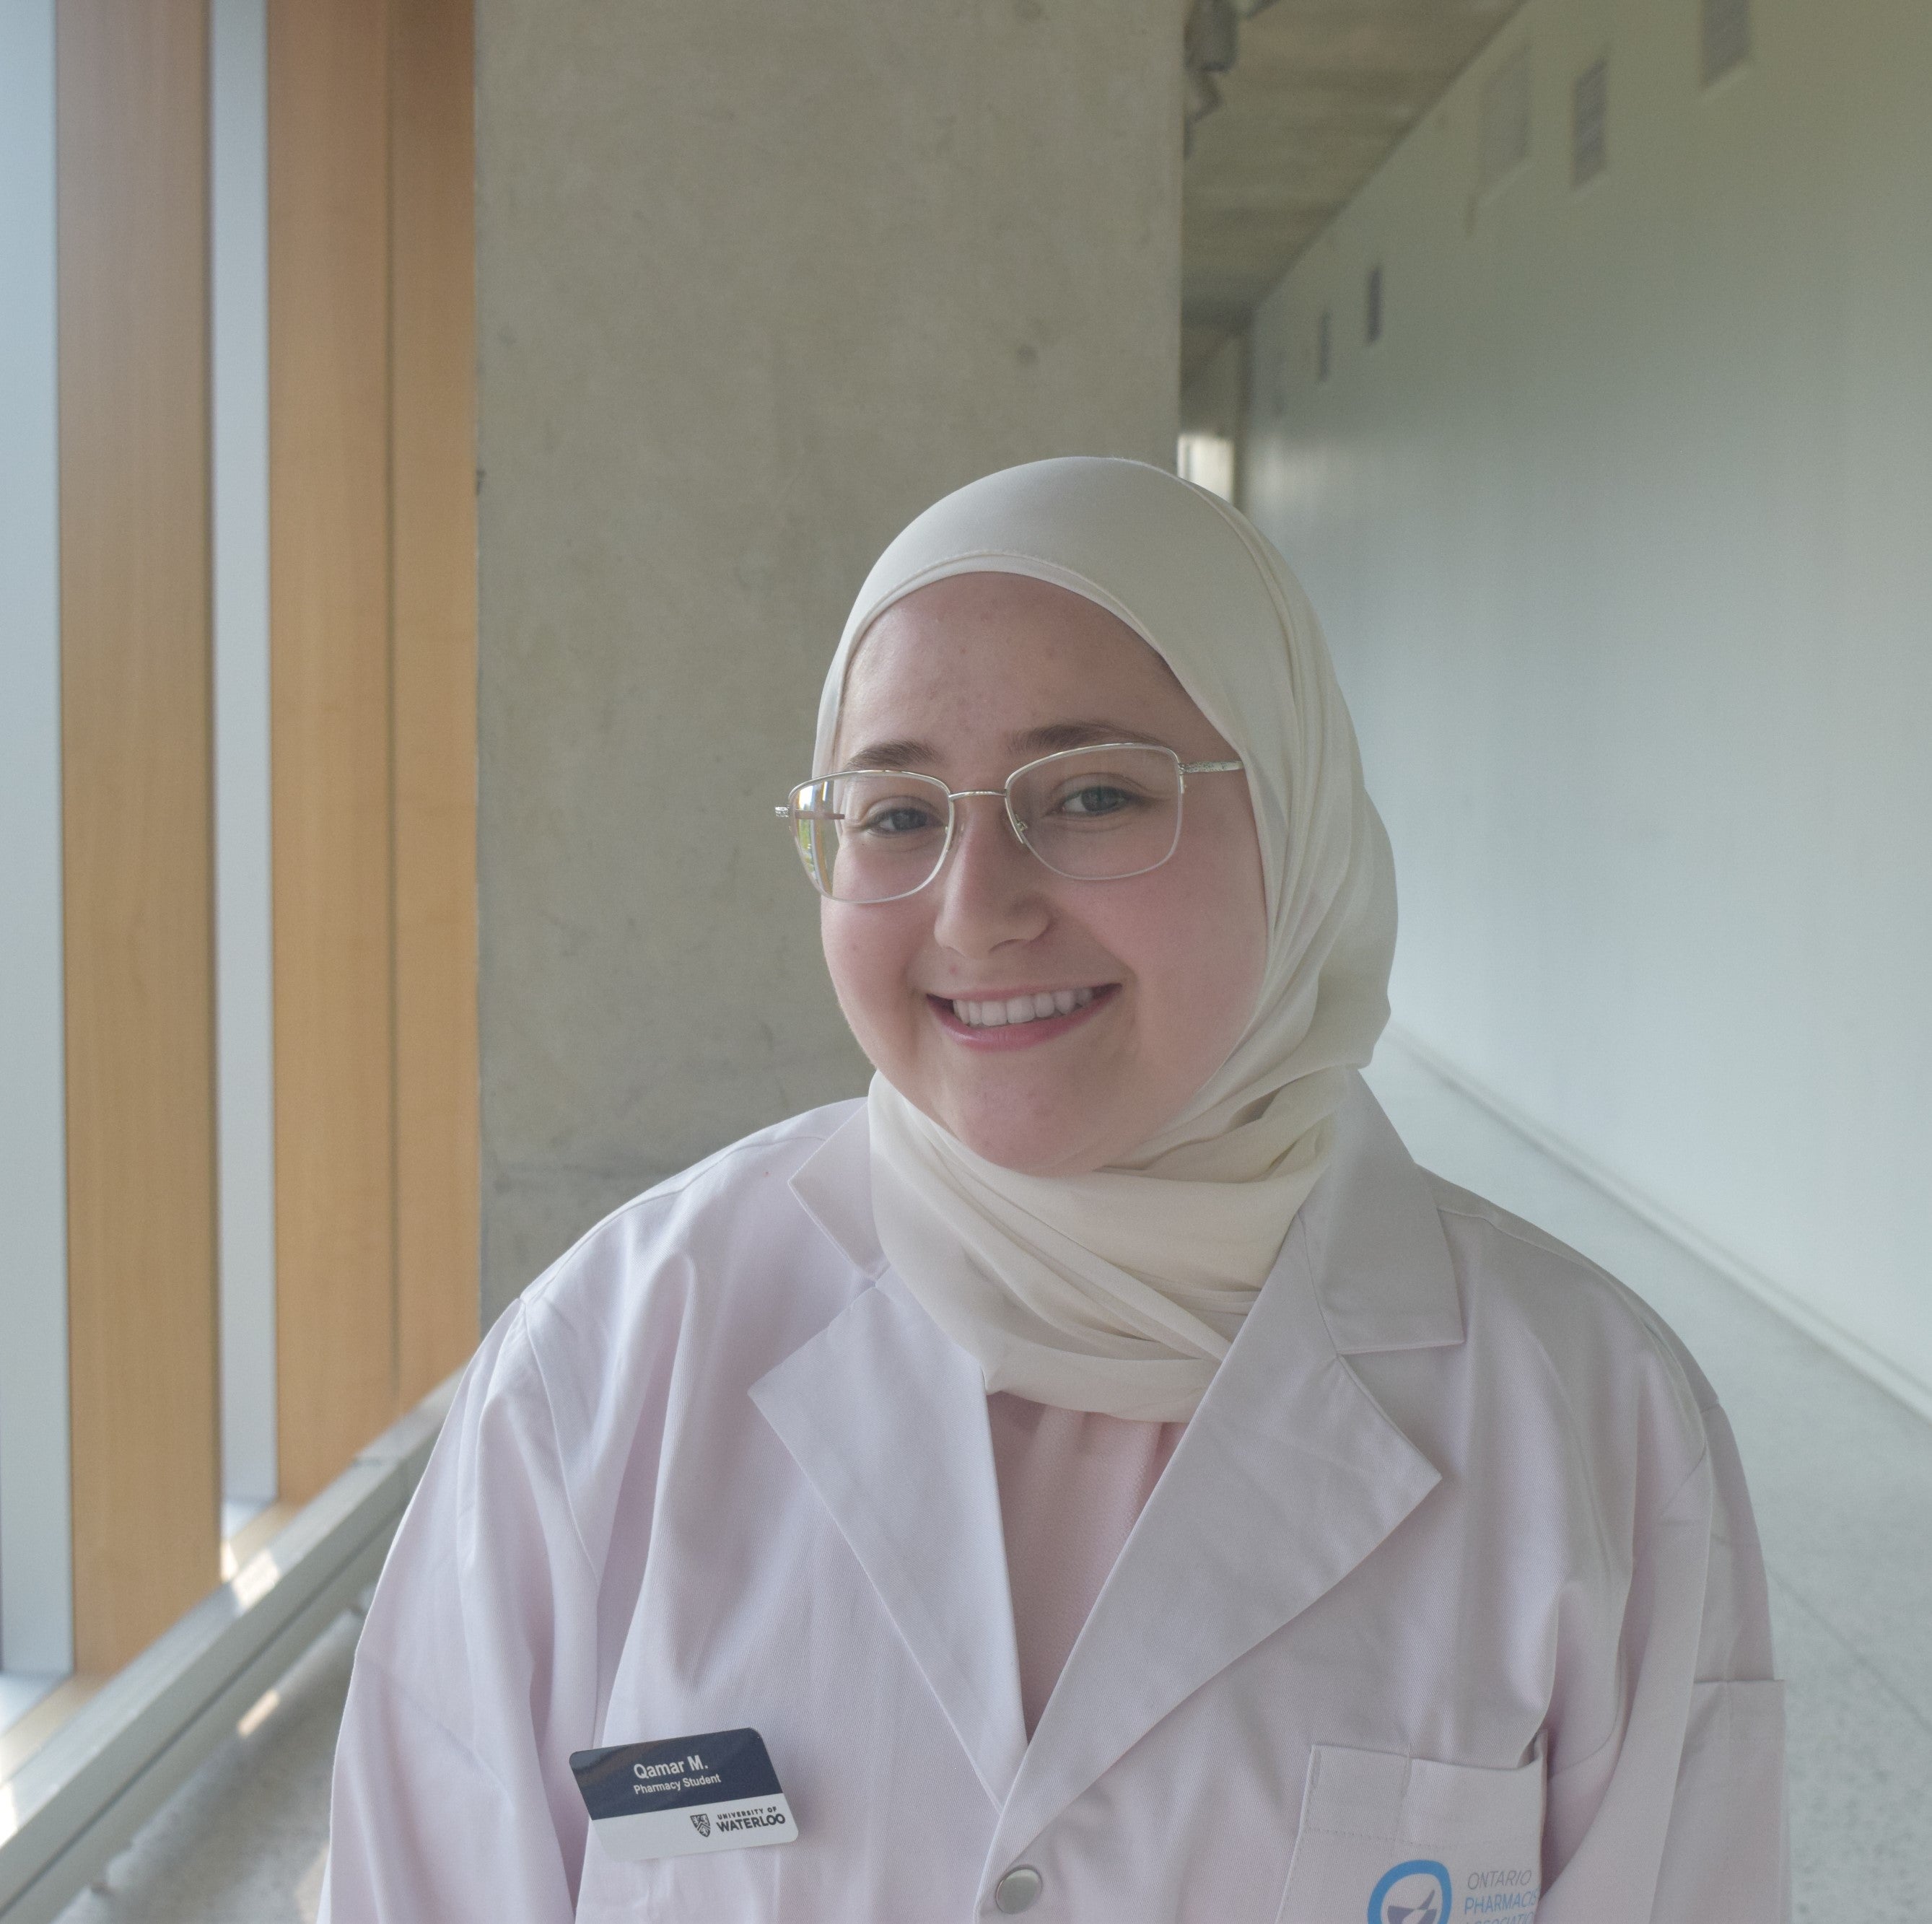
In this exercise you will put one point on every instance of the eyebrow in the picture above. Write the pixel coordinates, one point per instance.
(1048, 739)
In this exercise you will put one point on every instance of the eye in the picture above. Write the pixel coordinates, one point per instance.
(886, 820)
(1093, 798)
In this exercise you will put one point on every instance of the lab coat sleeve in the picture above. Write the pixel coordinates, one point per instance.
(452, 1796)
(1726, 1853)
(1679, 1818)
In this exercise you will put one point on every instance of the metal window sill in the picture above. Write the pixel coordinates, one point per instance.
(78, 1799)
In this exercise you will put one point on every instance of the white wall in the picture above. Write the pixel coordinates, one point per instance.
(758, 280)
(1623, 535)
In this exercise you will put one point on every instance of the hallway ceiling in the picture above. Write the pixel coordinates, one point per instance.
(1320, 91)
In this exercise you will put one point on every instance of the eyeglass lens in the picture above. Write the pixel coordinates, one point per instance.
(1094, 814)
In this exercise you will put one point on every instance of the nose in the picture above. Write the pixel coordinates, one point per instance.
(991, 890)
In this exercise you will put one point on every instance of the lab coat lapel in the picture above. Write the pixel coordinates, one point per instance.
(886, 1417)
(1288, 1475)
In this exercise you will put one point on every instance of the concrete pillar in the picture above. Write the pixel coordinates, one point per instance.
(757, 280)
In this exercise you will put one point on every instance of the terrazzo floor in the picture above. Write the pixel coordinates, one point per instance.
(1841, 1474)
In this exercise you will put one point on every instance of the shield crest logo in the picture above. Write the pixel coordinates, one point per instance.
(703, 1823)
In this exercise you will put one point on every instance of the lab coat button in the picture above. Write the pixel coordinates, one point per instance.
(1018, 1889)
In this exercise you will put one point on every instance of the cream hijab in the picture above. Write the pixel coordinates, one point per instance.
(1120, 1291)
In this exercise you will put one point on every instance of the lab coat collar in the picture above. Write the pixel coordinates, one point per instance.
(1379, 1262)
(886, 1416)
(834, 1187)
(1289, 1475)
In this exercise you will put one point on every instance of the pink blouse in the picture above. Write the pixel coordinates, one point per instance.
(1072, 1483)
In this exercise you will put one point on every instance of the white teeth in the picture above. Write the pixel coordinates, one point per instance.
(1018, 1009)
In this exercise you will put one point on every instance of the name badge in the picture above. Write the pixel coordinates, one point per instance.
(716, 1791)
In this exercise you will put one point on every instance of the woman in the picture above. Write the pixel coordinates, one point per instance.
(1105, 1472)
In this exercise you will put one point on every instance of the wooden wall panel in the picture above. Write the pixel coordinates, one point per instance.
(328, 379)
(136, 678)
(432, 477)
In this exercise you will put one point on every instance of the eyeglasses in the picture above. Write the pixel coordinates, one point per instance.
(1097, 815)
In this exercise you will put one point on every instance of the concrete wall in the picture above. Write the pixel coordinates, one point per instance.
(758, 280)
(1621, 535)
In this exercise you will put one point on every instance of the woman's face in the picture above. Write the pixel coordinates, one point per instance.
(967, 679)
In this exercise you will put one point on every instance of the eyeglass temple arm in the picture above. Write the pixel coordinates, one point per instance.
(1199, 768)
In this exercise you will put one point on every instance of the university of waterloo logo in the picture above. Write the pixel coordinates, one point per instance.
(1416, 1892)
(703, 1823)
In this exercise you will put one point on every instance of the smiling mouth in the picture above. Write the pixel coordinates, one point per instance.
(1012, 1011)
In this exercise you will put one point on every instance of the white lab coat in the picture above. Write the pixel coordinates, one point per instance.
(1454, 1569)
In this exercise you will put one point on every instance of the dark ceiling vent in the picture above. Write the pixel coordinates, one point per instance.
(1589, 125)
(1505, 134)
(1726, 36)
(1372, 330)
(1324, 345)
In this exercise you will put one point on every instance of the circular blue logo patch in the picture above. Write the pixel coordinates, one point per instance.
(1417, 1892)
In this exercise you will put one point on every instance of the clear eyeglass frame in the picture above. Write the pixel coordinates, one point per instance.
(800, 816)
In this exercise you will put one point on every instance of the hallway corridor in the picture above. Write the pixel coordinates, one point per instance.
(1841, 1474)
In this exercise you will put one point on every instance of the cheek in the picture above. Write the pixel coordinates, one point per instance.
(868, 952)
(1201, 958)
(1234, 987)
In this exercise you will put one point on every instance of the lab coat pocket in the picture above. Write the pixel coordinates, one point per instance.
(1404, 1840)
